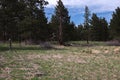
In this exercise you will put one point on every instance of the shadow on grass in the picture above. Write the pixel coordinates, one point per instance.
(93, 44)
(2, 48)
(113, 43)
(83, 45)
(71, 44)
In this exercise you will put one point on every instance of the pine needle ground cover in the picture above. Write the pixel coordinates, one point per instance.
(31, 62)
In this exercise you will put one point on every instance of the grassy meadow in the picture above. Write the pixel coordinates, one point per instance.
(96, 61)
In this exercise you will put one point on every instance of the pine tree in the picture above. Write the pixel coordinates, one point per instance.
(104, 30)
(99, 28)
(10, 14)
(34, 26)
(95, 27)
(41, 27)
(115, 24)
(23, 19)
(69, 32)
(81, 32)
(61, 19)
(86, 23)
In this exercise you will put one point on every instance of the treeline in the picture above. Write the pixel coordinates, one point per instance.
(22, 20)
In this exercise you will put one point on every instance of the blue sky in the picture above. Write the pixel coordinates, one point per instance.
(103, 8)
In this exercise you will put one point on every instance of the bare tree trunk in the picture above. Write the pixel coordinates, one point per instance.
(4, 34)
(88, 36)
(60, 32)
(10, 44)
(87, 40)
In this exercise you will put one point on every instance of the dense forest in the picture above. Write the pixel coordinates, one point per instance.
(25, 20)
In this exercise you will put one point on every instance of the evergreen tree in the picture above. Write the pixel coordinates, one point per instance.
(69, 32)
(99, 28)
(23, 19)
(115, 24)
(86, 23)
(34, 26)
(10, 14)
(95, 27)
(41, 27)
(104, 30)
(61, 20)
(81, 32)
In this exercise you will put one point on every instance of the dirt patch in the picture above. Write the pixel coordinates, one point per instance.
(68, 58)
(58, 56)
(95, 51)
(117, 50)
(33, 56)
(75, 59)
(44, 57)
(106, 51)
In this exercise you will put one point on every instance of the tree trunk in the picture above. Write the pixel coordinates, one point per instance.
(88, 36)
(87, 40)
(10, 44)
(60, 32)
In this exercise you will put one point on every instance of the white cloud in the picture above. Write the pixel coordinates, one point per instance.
(94, 5)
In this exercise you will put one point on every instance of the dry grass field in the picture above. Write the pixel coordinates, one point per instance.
(97, 61)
